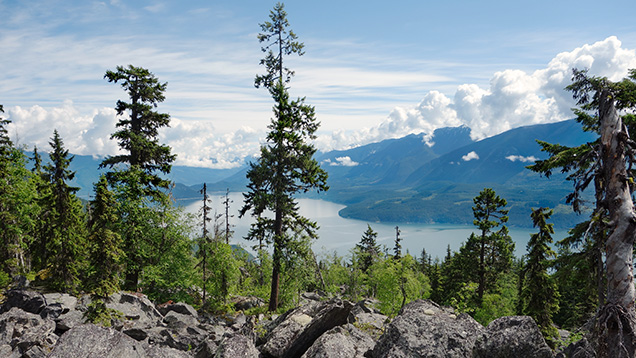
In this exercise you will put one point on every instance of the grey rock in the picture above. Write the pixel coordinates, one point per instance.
(16, 323)
(8, 352)
(136, 334)
(179, 307)
(41, 336)
(68, 320)
(180, 321)
(341, 342)
(34, 352)
(165, 352)
(425, 329)
(299, 328)
(207, 349)
(137, 309)
(93, 341)
(26, 300)
(579, 349)
(237, 346)
(245, 303)
(367, 318)
(515, 336)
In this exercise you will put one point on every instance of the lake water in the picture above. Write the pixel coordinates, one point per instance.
(341, 235)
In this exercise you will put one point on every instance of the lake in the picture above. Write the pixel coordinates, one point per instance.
(341, 235)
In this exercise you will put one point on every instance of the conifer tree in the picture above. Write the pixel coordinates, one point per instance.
(17, 209)
(106, 254)
(64, 235)
(135, 175)
(286, 165)
(397, 249)
(493, 249)
(540, 293)
(368, 249)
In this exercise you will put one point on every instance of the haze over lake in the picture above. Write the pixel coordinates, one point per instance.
(340, 235)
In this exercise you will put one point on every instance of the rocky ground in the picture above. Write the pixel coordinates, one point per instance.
(36, 325)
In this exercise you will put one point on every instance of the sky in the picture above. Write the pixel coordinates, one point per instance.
(373, 69)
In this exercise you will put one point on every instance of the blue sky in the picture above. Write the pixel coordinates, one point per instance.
(373, 69)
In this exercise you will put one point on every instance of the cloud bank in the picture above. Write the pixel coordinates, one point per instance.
(513, 98)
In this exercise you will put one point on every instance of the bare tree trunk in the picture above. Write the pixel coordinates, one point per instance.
(617, 319)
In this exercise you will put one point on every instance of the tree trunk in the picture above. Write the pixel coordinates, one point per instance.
(616, 320)
(278, 232)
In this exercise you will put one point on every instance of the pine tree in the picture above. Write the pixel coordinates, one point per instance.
(368, 249)
(106, 254)
(17, 209)
(397, 248)
(136, 173)
(286, 165)
(65, 235)
(540, 293)
(494, 249)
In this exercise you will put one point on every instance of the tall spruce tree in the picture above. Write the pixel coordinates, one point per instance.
(492, 248)
(136, 173)
(17, 207)
(286, 165)
(368, 249)
(106, 254)
(540, 293)
(65, 227)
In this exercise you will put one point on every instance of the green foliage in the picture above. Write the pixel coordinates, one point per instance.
(368, 250)
(106, 254)
(64, 235)
(397, 282)
(98, 313)
(540, 293)
(286, 165)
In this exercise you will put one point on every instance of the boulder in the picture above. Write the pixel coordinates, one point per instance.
(180, 321)
(515, 336)
(179, 307)
(26, 300)
(579, 349)
(207, 349)
(68, 320)
(237, 346)
(137, 310)
(425, 329)
(298, 329)
(368, 319)
(16, 323)
(93, 341)
(341, 342)
(245, 303)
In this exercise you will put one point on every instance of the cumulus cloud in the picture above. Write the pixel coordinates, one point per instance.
(341, 162)
(196, 143)
(470, 156)
(514, 98)
(522, 159)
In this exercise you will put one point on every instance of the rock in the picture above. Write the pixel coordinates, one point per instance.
(579, 349)
(516, 336)
(16, 323)
(92, 341)
(68, 320)
(207, 349)
(180, 321)
(26, 300)
(296, 333)
(40, 336)
(137, 309)
(34, 352)
(245, 303)
(341, 342)
(165, 352)
(237, 346)
(8, 352)
(414, 333)
(368, 319)
(136, 334)
(179, 307)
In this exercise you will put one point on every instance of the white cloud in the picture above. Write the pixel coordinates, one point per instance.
(342, 162)
(470, 156)
(522, 159)
(514, 98)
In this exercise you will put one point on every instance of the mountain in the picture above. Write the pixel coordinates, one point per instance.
(441, 190)
(413, 179)
(390, 161)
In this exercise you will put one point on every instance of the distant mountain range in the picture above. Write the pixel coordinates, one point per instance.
(411, 179)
